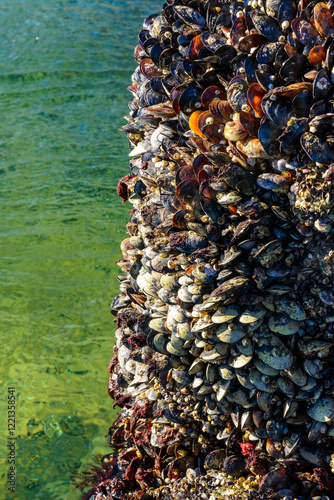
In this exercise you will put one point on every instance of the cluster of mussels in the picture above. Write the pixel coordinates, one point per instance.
(223, 364)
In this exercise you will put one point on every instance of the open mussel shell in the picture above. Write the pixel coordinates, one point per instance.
(182, 217)
(212, 93)
(195, 46)
(210, 127)
(255, 94)
(190, 100)
(187, 191)
(249, 123)
(221, 110)
(194, 123)
(149, 69)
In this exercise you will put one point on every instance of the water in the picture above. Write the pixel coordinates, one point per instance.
(64, 66)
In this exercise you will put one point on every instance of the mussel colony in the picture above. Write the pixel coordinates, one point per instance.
(223, 364)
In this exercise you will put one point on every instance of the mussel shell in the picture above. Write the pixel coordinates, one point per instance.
(266, 78)
(155, 53)
(143, 36)
(301, 104)
(166, 58)
(276, 355)
(250, 67)
(268, 134)
(315, 455)
(272, 7)
(212, 41)
(322, 124)
(266, 25)
(213, 210)
(234, 131)
(249, 123)
(317, 55)
(190, 16)
(182, 217)
(239, 178)
(286, 11)
(264, 368)
(194, 122)
(292, 308)
(252, 148)
(225, 55)
(280, 323)
(290, 138)
(293, 67)
(267, 51)
(160, 342)
(280, 57)
(255, 94)
(224, 17)
(316, 148)
(212, 93)
(237, 93)
(305, 32)
(318, 108)
(250, 41)
(190, 100)
(238, 30)
(256, 379)
(322, 410)
(278, 111)
(149, 69)
(188, 191)
(323, 19)
(322, 87)
(327, 297)
(221, 110)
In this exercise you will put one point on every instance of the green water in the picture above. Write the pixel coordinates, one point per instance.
(64, 66)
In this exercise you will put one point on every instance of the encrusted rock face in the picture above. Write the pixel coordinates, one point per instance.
(223, 364)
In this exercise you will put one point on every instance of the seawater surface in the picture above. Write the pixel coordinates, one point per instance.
(64, 68)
